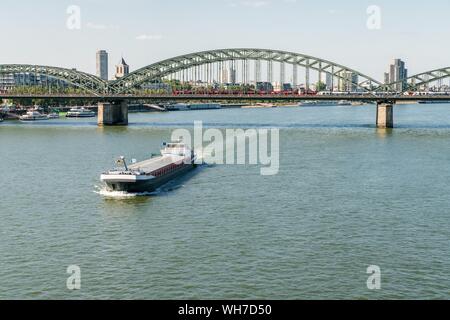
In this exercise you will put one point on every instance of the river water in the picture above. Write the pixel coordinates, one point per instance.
(347, 196)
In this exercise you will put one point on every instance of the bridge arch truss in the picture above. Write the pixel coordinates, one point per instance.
(73, 77)
(421, 80)
(159, 70)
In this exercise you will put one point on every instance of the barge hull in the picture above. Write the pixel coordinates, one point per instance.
(149, 185)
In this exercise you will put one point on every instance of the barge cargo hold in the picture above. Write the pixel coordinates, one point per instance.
(147, 176)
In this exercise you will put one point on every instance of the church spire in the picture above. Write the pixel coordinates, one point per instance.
(122, 68)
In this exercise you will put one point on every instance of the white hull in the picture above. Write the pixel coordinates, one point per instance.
(80, 115)
(324, 104)
(53, 116)
(33, 116)
(27, 118)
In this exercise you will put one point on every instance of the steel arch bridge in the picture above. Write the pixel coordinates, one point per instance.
(79, 79)
(165, 68)
(419, 80)
(170, 66)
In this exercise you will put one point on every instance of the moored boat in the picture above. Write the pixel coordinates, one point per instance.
(324, 103)
(195, 106)
(53, 115)
(33, 116)
(147, 176)
(80, 113)
(344, 103)
(433, 102)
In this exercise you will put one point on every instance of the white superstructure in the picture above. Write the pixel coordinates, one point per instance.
(80, 113)
(33, 116)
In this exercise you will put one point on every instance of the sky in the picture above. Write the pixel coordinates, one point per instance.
(147, 31)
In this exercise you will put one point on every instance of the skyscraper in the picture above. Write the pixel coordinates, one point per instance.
(122, 69)
(329, 81)
(224, 76)
(398, 75)
(348, 81)
(232, 75)
(102, 64)
(229, 75)
(387, 78)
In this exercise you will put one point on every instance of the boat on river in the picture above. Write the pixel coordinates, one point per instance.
(324, 103)
(53, 115)
(147, 176)
(80, 113)
(33, 116)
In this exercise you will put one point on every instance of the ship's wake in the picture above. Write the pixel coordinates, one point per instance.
(104, 192)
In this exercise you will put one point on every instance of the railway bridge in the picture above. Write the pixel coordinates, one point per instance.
(243, 66)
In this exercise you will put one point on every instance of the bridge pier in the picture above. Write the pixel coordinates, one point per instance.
(385, 115)
(113, 114)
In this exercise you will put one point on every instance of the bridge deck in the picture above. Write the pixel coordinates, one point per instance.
(243, 97)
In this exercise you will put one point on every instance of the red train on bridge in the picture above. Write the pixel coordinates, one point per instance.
(244, 92)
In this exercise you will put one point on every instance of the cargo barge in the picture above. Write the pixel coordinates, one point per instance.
(147, 176)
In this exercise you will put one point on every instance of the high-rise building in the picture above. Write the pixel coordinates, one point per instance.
(387, 78)
(398, 75)
(348, 81)
(229, 75)
(102, 64)
(329, 81)
(232, 75)
(122, 69)
(224, 76)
